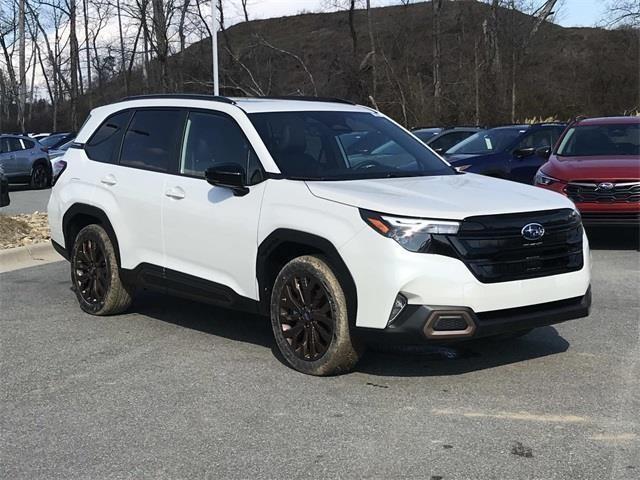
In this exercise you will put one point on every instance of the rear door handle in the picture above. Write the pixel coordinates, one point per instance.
(176, 193)
(109, 180)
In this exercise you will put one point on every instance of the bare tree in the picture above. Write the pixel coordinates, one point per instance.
(622, 13)
(437, 78)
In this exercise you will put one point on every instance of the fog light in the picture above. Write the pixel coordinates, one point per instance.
(398, 305)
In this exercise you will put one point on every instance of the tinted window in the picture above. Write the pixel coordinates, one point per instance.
(104, 145)
(448, 140)
(212, 139)
(152, 140)
(28, 144)
(490, 141)
(4, 145)
(587, 140)
(537, 139)
(15, 144)
(308, 145)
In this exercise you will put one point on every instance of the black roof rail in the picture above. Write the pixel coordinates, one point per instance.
(303, 98)
(183, 96)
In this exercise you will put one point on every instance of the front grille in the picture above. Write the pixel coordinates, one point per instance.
(597, 192)
(494, 249)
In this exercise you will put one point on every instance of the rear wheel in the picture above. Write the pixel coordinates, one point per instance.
(95, 274)
(310, 319)
(40, 176)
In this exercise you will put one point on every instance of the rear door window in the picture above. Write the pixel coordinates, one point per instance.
(104, 144)
(152, 141)
(15, 144)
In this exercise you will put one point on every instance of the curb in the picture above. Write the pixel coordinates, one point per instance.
(27, 256)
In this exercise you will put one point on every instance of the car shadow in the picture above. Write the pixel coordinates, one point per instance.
(22, 187)
(461, 358)
(401, 361)
(613, 238)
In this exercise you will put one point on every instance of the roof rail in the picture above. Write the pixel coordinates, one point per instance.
(183, 96)
(305, 99)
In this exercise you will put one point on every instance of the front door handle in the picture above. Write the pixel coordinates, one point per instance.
(176, 193)
(109, 180)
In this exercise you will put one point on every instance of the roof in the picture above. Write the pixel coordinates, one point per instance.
(610, 121)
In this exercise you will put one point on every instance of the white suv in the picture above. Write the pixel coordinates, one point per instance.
(327, 216)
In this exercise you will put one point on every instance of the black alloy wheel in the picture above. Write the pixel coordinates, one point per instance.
(306, 316)
(91, 272)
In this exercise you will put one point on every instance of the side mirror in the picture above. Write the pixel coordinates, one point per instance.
(228, 175)
(544, 152)
(524, 152)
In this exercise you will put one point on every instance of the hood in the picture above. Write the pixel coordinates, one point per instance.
(452, 197)
(609, 167)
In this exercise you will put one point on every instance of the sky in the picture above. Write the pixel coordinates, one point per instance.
(572, 13)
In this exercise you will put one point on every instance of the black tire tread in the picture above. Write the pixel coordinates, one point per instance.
(119, 298)
(344, 351)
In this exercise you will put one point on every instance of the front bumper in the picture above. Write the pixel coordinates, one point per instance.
(420, 323)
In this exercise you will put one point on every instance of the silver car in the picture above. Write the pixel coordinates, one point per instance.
(24, 160)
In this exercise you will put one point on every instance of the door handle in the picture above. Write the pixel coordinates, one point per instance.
(176, 193)
(109, 180)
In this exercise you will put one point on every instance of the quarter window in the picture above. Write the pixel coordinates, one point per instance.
(15, 144)
(212, 139)
(152, 140)
(104, 145)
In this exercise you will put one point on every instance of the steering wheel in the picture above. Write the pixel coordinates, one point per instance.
(367, 164)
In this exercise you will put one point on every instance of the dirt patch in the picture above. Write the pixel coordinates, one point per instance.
(21, 230)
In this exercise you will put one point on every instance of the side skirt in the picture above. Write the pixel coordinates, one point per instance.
(171, 282)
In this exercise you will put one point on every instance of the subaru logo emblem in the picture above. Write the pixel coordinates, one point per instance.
(605, 186)
(532, 231)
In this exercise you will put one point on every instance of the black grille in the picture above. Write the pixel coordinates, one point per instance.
(597, 192)
(494, 249)
(611, 218)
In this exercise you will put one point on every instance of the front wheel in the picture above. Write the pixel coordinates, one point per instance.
(95, 274)
(310, 319)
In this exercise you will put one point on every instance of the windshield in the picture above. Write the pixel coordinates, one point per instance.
(490, 141)
(51, 140)
(343, 146)
(590, 140)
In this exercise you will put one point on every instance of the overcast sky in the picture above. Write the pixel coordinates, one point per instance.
(573, 13)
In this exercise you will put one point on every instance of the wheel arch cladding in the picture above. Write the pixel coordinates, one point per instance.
(283, 245)
(78, 216)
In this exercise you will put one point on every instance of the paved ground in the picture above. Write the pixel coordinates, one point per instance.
(181, 390)
(25, 200)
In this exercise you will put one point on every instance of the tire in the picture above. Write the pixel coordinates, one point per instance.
(95, 274)
(40, 177)
(308, 301)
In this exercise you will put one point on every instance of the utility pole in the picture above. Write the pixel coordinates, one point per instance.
(214, 47)
(23, 77)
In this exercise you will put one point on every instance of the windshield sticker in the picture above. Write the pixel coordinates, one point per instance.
(487, 142)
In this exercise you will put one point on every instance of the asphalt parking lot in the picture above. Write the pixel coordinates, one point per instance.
(26, 200)
(181, 390)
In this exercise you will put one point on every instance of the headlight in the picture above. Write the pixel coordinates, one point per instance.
(414, 234)
(542, 178)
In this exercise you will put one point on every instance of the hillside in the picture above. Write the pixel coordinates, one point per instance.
(564, 72)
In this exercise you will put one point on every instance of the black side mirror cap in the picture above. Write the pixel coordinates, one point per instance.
(524, 152)
(228, 175)
(544, 152)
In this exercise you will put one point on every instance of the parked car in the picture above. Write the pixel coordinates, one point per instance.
(25, 161)
(39, 136)
(254, 204)
(597, 165)
(4, 189)
(426, 134)
(450, 137)
(505, 152)
(56, 140)
(58, 163)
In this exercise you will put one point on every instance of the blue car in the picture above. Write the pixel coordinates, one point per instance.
(513, 152)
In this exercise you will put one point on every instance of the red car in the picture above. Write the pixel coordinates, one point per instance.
(596, 163)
